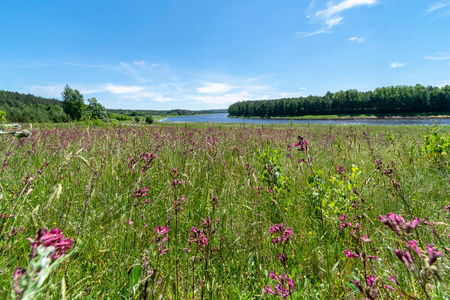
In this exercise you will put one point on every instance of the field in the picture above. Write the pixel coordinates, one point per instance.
(225, 212)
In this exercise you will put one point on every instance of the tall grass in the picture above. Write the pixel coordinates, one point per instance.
(218, 189)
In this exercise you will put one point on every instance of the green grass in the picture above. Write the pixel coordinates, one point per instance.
(99, 169)
(360, 116)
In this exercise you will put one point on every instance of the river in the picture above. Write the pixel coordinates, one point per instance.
(222, 118)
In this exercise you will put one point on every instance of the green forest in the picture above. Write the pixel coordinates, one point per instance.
(27, 108)
(385, 100)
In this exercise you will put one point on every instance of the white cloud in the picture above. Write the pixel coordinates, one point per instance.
(306, 34)
(333, 10)
(436, 6)
(303, 88)
(214, 88)
(439, 56)
(139, 62)
(397, 65)
(330, 15)
(333, 22)
(359, 40)
(122, 89)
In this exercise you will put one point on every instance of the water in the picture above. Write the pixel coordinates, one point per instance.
(222, 118)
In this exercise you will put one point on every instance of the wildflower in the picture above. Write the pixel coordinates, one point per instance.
(365, 239)
(392, 279)
(340, 170)
(52, 238)
(301, 143)
(198, 238)
(413, 245)
(282, 258)
(178, 203)
(130, 222)
(432, 254)
(284, 231)
(161, 238)
(350, 254)
(396, 223)
(140, 193)
(284, 286)
(344, 223)
(405, 257)
(371, 281)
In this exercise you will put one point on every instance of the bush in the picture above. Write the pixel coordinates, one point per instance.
(149, 119)
(137, 119)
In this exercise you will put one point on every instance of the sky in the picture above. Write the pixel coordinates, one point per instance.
(208, 54)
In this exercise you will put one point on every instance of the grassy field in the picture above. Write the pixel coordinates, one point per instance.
(230, 211)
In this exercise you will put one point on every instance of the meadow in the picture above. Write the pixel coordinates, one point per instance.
(231, 211)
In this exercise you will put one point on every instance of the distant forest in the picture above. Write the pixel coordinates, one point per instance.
(29, 108)
(384, 100)
(172, 112)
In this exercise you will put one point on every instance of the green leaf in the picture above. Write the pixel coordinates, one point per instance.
(135, 275)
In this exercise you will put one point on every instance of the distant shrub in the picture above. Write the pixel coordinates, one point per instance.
(137, 119)
(149, 119)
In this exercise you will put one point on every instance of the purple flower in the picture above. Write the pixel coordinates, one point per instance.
(413, 245)
(140, 193)
(371, 281)
(350, 254)
(282, 258)
(392, 279)
(161, 238)
(396, 223)
(432, 254)
(52, 238)
(283, 287)
(301, 143)
(365, 239)
(16, 278)
(405, 257)
(284, 233)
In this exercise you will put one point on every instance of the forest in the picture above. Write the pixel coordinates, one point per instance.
(385, 100)
(28, 108)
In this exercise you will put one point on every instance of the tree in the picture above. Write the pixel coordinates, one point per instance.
(149, 119)
(96, 110)
(73, 103)
(137, 119)
(2, 116)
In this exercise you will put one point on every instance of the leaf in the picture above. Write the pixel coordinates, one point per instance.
(135, 275)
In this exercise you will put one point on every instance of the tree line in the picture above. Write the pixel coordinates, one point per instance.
(29, 108)
(384, 100)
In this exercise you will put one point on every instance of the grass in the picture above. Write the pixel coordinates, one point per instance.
(259, 181)
(361, 116)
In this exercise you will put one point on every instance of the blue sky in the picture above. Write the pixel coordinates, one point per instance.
(150, 54)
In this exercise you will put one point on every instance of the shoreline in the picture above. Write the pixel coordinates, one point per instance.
(344, 118)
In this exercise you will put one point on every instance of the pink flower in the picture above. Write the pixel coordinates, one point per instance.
(413, 245)
(405, 257)
(52, 238)
(371, 281)
(284, 233)
(283, 287)
(350, 254)
(432, 254)
(365, 239)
